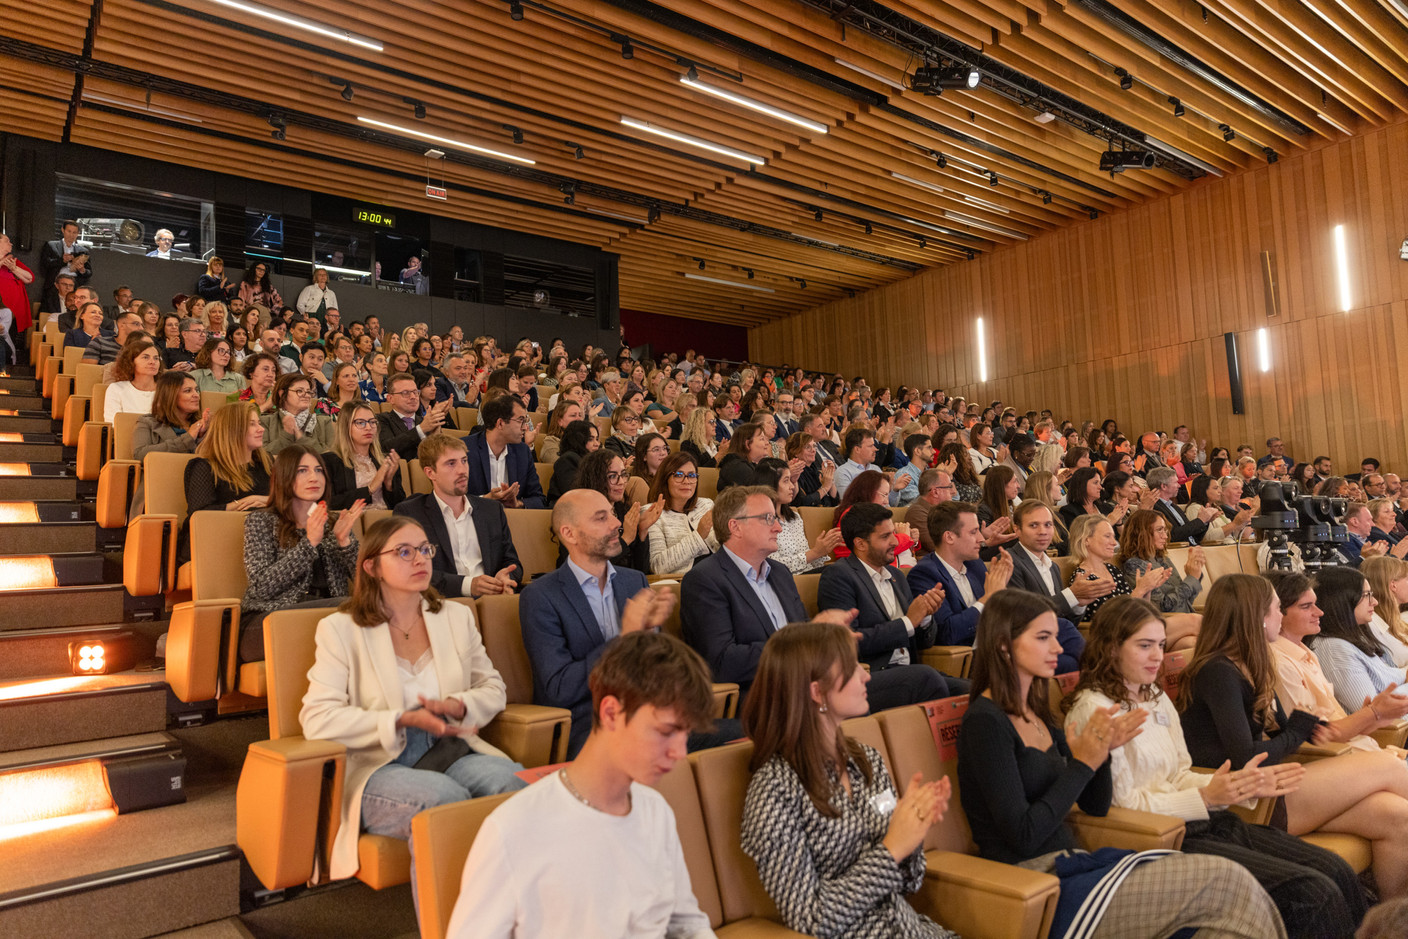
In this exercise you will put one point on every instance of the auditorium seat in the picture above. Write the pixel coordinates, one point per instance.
(807, 585)
(420, 483)
(213, 401)
(149, 558)
(725, 692)
(708, 482)
(467, 418)
(544, 474)
(123, 425)
(815, 520)
(531, 530)
(290, 788)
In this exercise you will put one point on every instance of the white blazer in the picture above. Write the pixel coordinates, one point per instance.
(355, 698)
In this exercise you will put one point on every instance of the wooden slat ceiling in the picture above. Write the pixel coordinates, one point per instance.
(198, 81)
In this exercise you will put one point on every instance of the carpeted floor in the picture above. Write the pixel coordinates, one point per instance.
(353, 911)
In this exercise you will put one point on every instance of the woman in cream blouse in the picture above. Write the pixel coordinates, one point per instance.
(398, 672)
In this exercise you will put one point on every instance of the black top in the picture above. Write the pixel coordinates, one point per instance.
(1017, 797)
(343, 489)
(737, 471)
(209, 288)
(1069, 513)
(809, 487)
(1219, 725)
(176, 356)
(564, 475)
(205, 492)
(701, 459)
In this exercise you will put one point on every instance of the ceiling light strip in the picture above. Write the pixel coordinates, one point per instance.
(916, 182)
(299, 22)
(693, 141)
(728, 283)
(139, 107)
(997, 229)
(457, 144)
(869, 74)
(758, 106)
(985, 204)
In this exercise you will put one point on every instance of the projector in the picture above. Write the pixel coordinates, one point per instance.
(932, 80)
(1117, 161)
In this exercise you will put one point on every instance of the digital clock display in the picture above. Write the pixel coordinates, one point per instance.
(378, 217)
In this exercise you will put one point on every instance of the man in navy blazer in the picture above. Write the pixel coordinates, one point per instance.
(953, 526)
(487, 562)
(894, 625)
(569, 615)
(500, 463)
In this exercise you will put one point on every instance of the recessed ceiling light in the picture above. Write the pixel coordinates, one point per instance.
(729, 283)
(299, 22)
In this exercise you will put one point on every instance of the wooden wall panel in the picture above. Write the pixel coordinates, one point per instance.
(1123, 317)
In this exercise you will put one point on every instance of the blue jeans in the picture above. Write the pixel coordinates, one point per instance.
(396, 792)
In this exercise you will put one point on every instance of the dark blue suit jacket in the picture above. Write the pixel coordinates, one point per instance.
(724, 620)
(564, 641)
(957, 624)
(520, 470)
(846, 585)
(490, 529)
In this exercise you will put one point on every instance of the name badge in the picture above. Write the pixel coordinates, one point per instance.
(1161, 719)
(884, 803)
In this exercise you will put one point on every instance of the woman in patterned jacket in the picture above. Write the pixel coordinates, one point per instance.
(836, 846)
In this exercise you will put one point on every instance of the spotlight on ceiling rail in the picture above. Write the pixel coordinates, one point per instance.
(934, 80)
(1117, 161)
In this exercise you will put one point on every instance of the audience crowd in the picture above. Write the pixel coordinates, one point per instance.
(947, 521)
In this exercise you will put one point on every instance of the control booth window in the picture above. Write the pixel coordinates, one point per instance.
(401, 263)
(345, 253)
(549, 286)
(133, 220)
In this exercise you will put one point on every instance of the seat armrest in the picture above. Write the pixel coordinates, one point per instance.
(1258, 813)
(287, 809)
(725, 699)
(532, 734)
(1310, 752)
(95, 442)
(977, 897)
(117, 482)
(76, 411)
(1128, 829)
(951, 660)
(1392, 735)
(196, 640)
(149, 555)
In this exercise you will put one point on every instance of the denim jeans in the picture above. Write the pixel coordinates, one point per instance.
(396, 792)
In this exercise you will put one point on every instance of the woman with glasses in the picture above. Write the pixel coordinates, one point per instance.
(1352, 657)
(579, 438)
(214, 369)
(650, 454)
(296, 552)
(685, 531)
(605, 472)
(295, 419)
(357, 470)
(792, 547)
(255, 288)
(625, 429)
(402, 679)
(816, 483)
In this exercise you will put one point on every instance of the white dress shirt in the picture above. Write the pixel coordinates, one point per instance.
(498, 467)
(1047, 569)
(886, 588)
(464, 542)
(965, 589)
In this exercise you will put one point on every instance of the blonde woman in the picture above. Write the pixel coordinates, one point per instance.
(231, 470)
(699, 440)
(357, 469)
(1388, 579)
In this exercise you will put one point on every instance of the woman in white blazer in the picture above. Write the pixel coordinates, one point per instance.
(399, 671)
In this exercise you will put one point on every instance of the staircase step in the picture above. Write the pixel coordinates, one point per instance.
(55, 711)
(50, 488)
(18, 382)
(30, 400)
(30, 511)
(230, 928)
(30, 452)
(50, 538)
(30, 654)
(67, 569)
(113, 747)
(61, 607)
(24, 422)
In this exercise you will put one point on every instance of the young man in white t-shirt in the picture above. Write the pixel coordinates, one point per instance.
(591, 850)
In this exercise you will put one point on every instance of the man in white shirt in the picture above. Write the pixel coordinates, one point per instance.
(859, 447)
(470, 534)
(1034, 572)
(592, 850)
(954, 565)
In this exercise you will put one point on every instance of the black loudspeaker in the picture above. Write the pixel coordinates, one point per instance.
(1234, 373)
(146, 782)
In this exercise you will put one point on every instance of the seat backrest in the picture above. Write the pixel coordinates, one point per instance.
(502, 633)
(73, 355)
(538, 418)
(531, 530)
(85, 376)
(815, 520)
(1067, 566)
(867, 730)
(441, 838)
(1228, 559)
(807, 585)
(420, 483)
(721, 775)
(708, 481)
(672, 626)
(466, 418)
(213, 400)
(369, 518)
(123, 425)
(909, 735)
(217, 555)
(164, 476)
(99, 395)
(679, 790)
(898, 512)
(289, 649)
(544, 474)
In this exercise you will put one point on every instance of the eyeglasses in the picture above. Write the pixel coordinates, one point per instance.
(301, 392)
(525, 420)
(682, 476)
(630, 419)
(769, 519)
(364, 423)
(615, 477)
(407, 553)
(199, 329)
(407, 391)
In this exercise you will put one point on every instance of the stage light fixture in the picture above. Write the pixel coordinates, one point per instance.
(628, 51)
(749, 272)
(515, 11)
(1228, 134)
(869, 230)
(1271, 155)
(992, 179)
(517, 134)
(817, 215)
(347, 92)
(692, 74)
(1046, 198)
(1126, 79)
(934, 80)
(1178, 109)
(701, 262)
(652, 214)
(417, 107)
(803, 282)
(923, 242)
(941, 161)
